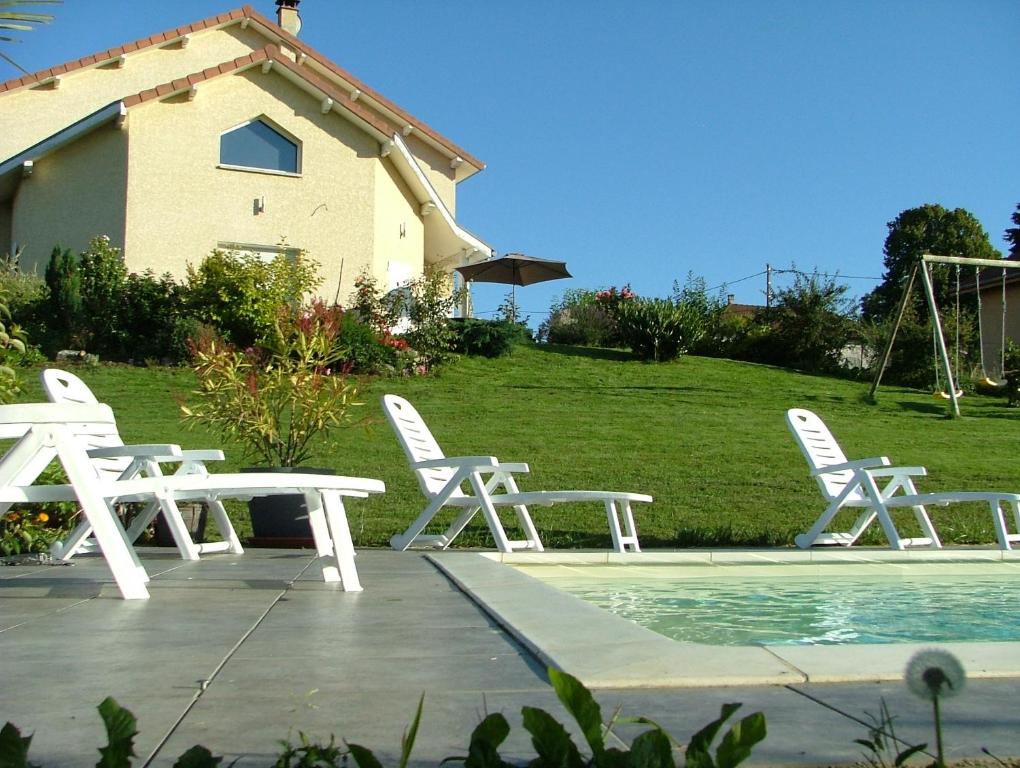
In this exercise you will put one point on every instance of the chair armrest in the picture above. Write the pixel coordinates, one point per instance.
(514, 467)
(898, 471)
(477, 462)
(167, 451)
(878, 461)
(202, 454)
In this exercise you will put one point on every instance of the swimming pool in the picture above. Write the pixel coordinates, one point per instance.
(815, 609)
(604, 650)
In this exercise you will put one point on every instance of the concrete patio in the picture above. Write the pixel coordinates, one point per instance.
(239, 652)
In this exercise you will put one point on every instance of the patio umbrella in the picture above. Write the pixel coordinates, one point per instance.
(514, 269)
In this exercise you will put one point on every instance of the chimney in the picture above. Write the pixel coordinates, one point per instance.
(287, 15)
(730, 298)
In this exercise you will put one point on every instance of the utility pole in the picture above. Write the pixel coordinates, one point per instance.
(768, 285)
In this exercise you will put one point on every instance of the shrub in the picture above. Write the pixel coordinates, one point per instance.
(239, 293)
(809, 325)
(580, 318)
(360, 349)
(430, 305)
(659, 329)
(585, 325)
(25, 292)
(487, 338)
(693, 294)
(274, 399)
(103, 282)
(34, 527)
(735, 337)
(64, 283)
(381, 312)
(154, 323)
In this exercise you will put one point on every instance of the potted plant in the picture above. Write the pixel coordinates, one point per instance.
(273, 399)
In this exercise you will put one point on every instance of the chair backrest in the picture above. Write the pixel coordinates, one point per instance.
(417, 442)
(32, 453)
(821, 450)
(64, 387)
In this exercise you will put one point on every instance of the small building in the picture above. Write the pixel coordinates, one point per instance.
(1000, 314)
(228, 133)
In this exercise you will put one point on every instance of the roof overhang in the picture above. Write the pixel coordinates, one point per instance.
(451, 243)
(14, 168)
(461, 163)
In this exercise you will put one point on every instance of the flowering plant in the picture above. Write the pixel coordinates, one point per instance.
(34, 528)
(612, 298)
(275, 397)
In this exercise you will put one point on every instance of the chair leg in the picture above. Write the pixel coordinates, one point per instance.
(70, 546)
(999, 522)
(490, 514)
(343, 544)
(628, 535)
(928, 530)
(807, 540)
(402, 541)
(531, 537)
(459, 524)
(178, 528)
(226, 529)
(127, 570)
(142, 520)
(324, 547)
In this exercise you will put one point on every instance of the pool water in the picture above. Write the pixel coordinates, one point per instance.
(811, 610)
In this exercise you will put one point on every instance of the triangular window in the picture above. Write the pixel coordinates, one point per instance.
(256, 144)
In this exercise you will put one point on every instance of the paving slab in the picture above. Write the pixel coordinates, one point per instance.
(239, 652)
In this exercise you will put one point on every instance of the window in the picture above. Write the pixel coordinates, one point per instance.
(256, 144)
(264, 253)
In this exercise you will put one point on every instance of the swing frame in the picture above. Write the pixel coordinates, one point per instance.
(921, 266)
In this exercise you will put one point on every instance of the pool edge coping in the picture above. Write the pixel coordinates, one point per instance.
(616, 653)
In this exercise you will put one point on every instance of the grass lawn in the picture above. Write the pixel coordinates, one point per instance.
(706, 437)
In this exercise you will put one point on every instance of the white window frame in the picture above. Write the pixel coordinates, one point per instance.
(255, 169)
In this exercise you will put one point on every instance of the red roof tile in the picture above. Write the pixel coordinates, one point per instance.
(246, 11)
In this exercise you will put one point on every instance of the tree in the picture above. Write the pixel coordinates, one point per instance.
(915, 232)
(809, 324)
(1013, 236)
(20, 21)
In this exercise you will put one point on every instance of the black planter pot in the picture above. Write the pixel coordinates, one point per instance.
(282, 521)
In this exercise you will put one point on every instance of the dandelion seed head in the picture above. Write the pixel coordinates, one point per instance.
(934, 673)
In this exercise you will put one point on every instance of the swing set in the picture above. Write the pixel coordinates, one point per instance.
(952, 391)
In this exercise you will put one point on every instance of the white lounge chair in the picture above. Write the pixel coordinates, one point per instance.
(875, 487)
(489, 485)
(44, 431)
(64, 387)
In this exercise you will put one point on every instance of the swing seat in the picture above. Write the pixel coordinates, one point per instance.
(945, 395)
(990, 383)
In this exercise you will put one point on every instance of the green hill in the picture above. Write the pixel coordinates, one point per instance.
(706, 437)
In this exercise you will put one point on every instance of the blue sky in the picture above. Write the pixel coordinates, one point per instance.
(640, 140)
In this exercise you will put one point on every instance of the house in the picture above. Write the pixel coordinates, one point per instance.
(228, 133)
(999, 313)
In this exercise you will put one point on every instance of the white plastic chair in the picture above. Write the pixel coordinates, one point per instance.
(44, 431)
(64, 387)
(482, 483)
(875, 487)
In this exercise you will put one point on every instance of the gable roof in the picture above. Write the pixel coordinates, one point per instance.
(348, 88)
(438, 219)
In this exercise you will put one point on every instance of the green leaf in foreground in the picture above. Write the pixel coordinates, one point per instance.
(553, 746)
(198, 757)
(582, 706)
(121, 729)
(14, 748)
